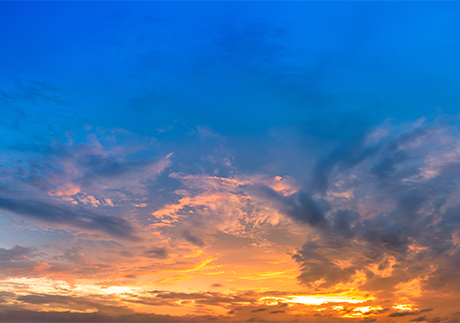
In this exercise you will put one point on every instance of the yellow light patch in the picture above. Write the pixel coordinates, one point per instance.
(367, 309)
(315, 299)
(403, 307)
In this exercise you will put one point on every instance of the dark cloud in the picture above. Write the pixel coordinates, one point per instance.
(126, 253)
(259, 310)
(94, 171)
(6, 296)
(74, 255)
(16, 261)
(41, 299)
(193, 239)
(97, 166)
(316, 265)
(343, 159)
(17, 253)
(36, 92)
(383, 231)
(406, 313)
(342, 222)
(389, 172)
(54, 150)
(299, 206)
(23, 315)
(158, 253)
(72, 215)
(254, 319)
(446, 277)
(418, 319)
(277, 312)
(208, 298)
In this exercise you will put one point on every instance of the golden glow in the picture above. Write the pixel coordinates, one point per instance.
(412, 288)
(403, 307)
(235, 266)
(313, 299)
(366, 309)
(385, 272)
(362, 311)
(270, 275)
(353, 315)
(118, 290)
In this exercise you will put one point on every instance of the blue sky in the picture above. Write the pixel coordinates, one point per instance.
(241, 69)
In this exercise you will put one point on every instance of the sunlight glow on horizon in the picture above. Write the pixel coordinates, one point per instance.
(314, 299)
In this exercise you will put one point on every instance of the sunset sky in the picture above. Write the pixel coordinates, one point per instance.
(230, 161)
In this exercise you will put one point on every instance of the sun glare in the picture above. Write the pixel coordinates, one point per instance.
(403, 307)
(313, 299)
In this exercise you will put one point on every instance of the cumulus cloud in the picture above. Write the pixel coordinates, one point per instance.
(374, 200)
(387, 211)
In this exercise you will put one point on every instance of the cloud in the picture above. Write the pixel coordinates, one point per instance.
(41, 299)
(16, 253)
(382, 199)
(74, 255)
(99, 172)
(388, 203)
(98, 166)
(193, 239)
(317, 267)
(33, 91)
(259, 310)
(299, 206)
(23, 315)
(17, 261)
(277, 312)
(72, 215)
(398, 314)
(6, 297)
(342, 222)
(159, 253)
(208, 298)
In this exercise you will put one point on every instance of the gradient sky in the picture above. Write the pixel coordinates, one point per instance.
(230, 161)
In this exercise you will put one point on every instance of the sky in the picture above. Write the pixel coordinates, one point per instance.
(255, 161)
